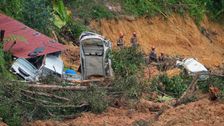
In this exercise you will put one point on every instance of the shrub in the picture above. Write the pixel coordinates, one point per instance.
(72, 30)
(5, 63)
(215, 81)
(10, 108)
(96, 98)
(89, 9)
(127, 61)
(174, 86)
(129, 87)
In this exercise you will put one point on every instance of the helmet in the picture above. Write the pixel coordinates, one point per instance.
(153, 48)
(134, 33)
(121, 34)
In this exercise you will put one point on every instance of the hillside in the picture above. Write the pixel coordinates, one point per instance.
(176, 35)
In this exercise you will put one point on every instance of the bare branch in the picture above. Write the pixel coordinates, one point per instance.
(46, 94)
(57, 87)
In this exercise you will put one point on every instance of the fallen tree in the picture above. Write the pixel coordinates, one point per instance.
(57, 87)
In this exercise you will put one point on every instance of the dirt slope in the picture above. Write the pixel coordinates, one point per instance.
(174, 36)
(200, 113)
(111, 117)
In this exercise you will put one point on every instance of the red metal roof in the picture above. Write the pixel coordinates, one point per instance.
(33, 39)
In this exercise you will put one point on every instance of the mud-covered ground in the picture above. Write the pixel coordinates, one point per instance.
(199, 113)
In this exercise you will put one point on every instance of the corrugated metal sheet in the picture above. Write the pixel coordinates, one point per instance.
(33, 39)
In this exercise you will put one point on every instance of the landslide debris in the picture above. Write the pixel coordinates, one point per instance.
(177, 36)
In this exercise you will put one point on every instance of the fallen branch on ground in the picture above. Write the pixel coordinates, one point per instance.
(189, 92)
(57, 87)
(46, 94)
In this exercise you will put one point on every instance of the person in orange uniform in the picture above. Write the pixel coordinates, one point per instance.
(134, 40)
(120, 41)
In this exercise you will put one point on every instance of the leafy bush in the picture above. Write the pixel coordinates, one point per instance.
(37, 14)
(174, 86)
(10, 110)
(213, 81)
(196, 8)
(127, 61)
(96, 98)
(216, 9)
(89, 9)
(127, 64)
(5, 59)
(72, 30)
(129, 87)
(34, 13)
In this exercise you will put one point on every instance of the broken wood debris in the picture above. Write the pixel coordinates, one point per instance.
(57, 87)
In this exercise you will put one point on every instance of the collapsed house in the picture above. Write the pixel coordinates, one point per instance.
(36, 55)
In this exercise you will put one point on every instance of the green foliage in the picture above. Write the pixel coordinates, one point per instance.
(12, 8)
(96, 97)
(89, 9)
(216, 9)
(72, 30)
(127, 64)
(37, 14)
(196, 8)
(61, 16)
(174, 86)
(6, 59)
(213, 81)
(127, 61)
(18, 103)
(10, 110)
(34, 13)
(130, 87)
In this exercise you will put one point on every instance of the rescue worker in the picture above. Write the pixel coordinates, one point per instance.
(213, 92)
(153, 55)
(134, 40)
(120, 41)
(162, 57)
(162, 64)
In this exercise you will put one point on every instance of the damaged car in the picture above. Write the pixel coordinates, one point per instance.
(94, 55)
(33, 68)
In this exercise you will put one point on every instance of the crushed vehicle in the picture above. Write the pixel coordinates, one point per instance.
(36, 54)
(193, 67)
(94, 55)
(33, 68)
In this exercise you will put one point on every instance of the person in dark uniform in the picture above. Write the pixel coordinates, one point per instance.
(153, 55)
(162, 57)
(134, 40)
(120, 41)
